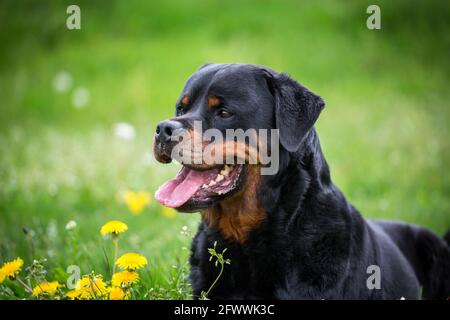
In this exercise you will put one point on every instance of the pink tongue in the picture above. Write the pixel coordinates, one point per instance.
(176, 192)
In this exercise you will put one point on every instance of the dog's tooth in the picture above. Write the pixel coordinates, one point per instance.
(219, 177)
(226, 170)
(204, 185)
(211, 183)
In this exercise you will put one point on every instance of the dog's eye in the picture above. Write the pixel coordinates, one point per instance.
(224, 113)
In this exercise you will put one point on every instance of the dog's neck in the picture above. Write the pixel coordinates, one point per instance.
(312, 160)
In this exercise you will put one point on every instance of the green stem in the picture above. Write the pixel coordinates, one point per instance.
(23, 284)
(92, 284)
(116, 250)
(215, 281)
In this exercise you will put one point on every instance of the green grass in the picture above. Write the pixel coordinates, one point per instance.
(384, 130)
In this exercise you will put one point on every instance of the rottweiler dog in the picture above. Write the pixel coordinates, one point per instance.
(292, 234)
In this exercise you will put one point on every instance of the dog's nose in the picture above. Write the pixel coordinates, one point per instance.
(165, 129)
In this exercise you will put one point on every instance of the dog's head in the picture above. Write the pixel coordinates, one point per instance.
(231, 100)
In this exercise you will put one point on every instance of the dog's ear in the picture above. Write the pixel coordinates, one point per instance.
(296, 108)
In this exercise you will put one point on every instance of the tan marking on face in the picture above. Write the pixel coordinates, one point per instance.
(213, 102)
(237, 216)
(191, 155)
(186, 100)
(210, 154)
(232, 150)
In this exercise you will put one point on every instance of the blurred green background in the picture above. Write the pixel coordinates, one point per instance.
(64, 157)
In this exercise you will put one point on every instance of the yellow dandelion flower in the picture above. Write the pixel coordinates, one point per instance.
(89, 288)
(124, 278)
(131, 261)
(73, 294)
(113, 227)
(168, 212)
(136, 201)
(46, 288)
(11, 269)
(116, 293)
(92, 288)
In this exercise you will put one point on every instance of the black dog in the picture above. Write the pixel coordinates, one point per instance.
(291, 235)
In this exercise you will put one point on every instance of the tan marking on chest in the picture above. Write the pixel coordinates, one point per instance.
(237, 216)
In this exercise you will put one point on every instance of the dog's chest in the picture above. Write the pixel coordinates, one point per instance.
(253, 272)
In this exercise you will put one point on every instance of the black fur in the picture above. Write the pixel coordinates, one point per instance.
(313, 244)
